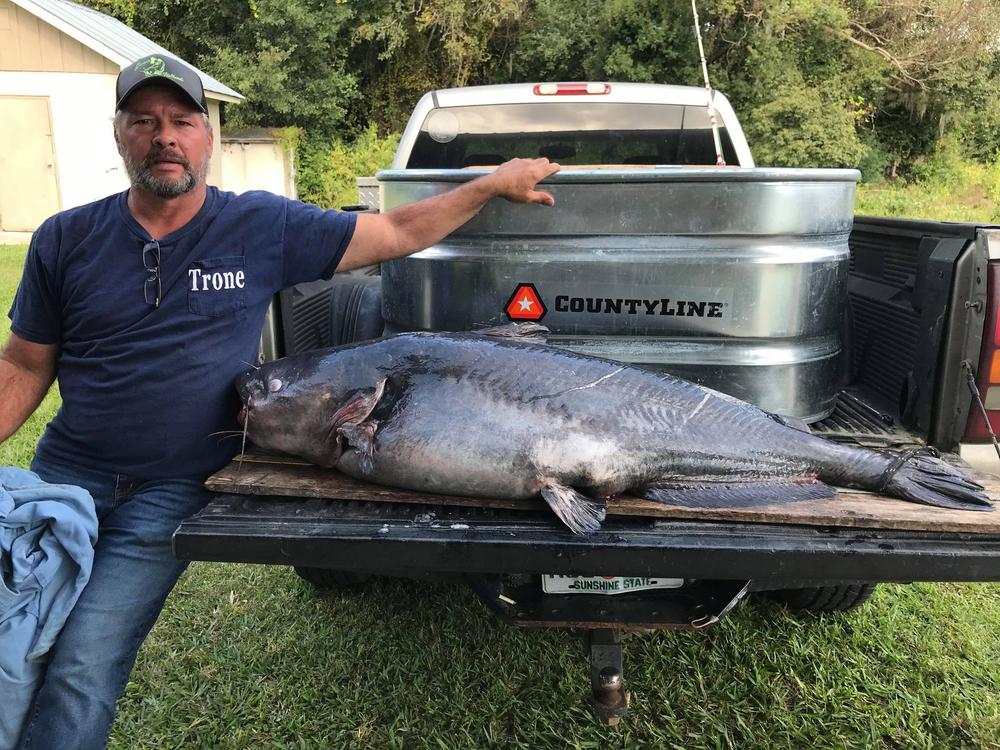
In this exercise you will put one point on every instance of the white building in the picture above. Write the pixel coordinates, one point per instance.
(58, 65)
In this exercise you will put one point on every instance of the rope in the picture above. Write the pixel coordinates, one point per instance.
(899, 461)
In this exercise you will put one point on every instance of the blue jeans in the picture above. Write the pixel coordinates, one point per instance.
(134, 570)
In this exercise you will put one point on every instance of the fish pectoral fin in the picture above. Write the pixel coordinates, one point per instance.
(351, 422)
(583, 515)
(738, 494)
(534, 333)
(361, 437)
(360, 407)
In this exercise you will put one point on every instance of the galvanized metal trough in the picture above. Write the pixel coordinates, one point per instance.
(734, 278)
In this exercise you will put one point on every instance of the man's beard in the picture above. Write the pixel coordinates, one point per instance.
(141, 176)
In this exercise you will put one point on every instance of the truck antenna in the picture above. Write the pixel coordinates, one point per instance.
(720, 161)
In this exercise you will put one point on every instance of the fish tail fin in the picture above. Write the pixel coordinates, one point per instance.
(583, 515)
(929, 480)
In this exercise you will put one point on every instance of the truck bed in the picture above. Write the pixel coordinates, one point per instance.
(916, 300)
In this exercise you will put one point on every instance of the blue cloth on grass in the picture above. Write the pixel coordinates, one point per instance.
(47, 537)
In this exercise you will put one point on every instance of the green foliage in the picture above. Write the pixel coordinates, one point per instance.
(621, 40)
(405, 49)
(326, 170)
(803, 128)
(287, 57)
(949, 189)
(876, 161)
(875, 85)
(943, 167)
(977, 124)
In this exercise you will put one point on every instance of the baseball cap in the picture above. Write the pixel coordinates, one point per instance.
(160, 69)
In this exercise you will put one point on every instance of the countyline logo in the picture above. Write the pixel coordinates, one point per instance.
(636, 305)
(156, 66)
(525, 304)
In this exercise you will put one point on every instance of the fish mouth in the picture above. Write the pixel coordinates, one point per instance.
(244, 415)
(245, 386)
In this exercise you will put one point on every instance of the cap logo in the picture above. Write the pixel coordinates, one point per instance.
(155, 66)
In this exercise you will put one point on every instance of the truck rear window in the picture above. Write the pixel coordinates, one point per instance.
(568, 133)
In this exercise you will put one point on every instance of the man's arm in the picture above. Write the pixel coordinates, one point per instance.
(26, 372)
(407, 229)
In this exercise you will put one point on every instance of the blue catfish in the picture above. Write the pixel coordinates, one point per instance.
(492, 414)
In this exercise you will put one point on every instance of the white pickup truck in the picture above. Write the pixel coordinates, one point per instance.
(867, 328)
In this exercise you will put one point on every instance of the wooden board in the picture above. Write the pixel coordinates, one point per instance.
(262, 474)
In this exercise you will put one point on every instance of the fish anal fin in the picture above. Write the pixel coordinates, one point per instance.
(751, 494)
(583, 515)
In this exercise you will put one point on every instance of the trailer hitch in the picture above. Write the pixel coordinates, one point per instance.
(609, 698)
(607, 683)
(605, 619)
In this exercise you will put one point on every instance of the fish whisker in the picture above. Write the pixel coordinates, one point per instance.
(227, 433)
(248, 364)
(228, 437)
(243, 447)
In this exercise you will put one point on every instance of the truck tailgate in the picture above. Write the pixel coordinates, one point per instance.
(376, 529)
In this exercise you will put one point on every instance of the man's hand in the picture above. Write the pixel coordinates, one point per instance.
(409, 228)
(515, 180)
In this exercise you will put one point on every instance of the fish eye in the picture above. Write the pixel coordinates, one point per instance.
(274, 385)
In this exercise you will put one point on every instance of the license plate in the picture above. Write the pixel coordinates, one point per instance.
(605, 584)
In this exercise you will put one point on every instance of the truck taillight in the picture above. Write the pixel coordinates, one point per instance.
(565, 89)
(988, 372)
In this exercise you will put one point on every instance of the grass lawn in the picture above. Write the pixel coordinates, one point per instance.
(250, 657)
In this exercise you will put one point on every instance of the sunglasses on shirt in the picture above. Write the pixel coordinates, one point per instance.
(151, 260)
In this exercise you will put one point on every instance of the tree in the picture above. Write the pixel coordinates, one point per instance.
(287, 57)
(408, 47)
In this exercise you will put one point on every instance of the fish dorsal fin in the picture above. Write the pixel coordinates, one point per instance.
(583, 515)
(793, 422)
(534, 333)
(737, 494)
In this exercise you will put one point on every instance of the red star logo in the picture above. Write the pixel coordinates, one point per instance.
(525, 304)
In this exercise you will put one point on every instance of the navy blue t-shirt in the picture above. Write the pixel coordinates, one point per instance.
(143, 387)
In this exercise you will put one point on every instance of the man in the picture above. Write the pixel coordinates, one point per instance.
(147, 305)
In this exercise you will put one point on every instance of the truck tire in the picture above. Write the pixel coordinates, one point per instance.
(824, 598)
(324, 579)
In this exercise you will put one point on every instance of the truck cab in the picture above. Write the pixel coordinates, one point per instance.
(573, 124)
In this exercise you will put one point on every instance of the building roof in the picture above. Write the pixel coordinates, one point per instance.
(248, 135)
(111, 38)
